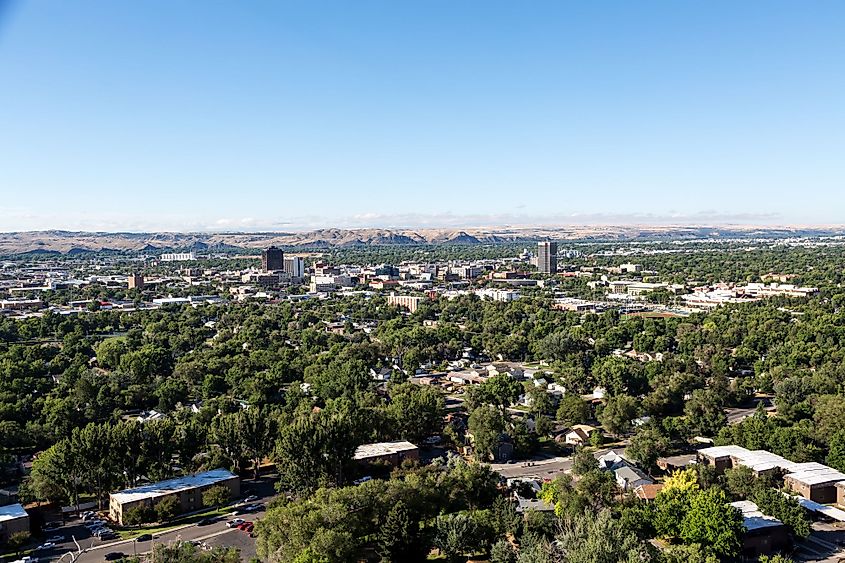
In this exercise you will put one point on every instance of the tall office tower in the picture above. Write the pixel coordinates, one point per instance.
(547, 257)
(272, 259)
(295, 266)
(135, 281)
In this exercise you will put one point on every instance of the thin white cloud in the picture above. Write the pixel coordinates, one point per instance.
(19, 219)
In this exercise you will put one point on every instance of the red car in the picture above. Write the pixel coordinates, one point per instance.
(244, 525)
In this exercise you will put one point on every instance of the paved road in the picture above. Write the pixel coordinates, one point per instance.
(540, 468)
(216, 534)
(737, 415)
(826, 544)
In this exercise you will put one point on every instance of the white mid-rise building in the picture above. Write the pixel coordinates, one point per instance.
(178, 257)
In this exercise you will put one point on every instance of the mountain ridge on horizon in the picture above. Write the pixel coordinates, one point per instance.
(65, 241)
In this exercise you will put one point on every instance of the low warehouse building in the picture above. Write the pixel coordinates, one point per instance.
(840, 493)
(720, 457)
(818, 484)
(13, 519)
(763, 534)
(186, 490)
(393, 453)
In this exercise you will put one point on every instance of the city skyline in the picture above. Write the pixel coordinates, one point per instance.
(292, 116)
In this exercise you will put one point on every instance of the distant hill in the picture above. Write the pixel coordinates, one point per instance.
(69, 242)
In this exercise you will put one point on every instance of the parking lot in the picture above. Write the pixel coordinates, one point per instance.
(214, 534)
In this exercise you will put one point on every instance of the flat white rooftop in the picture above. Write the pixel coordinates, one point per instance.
(724, 451)
(753, 518)
(12, 512)
(379, 449)
(172, 486)
(812, 506)
(817, 476)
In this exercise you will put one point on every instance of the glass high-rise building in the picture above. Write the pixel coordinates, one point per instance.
(272, 259)
(547, 257)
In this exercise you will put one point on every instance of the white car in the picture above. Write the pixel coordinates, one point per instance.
(235, 522)
(363, 479)
(45, 545)
(56, 539)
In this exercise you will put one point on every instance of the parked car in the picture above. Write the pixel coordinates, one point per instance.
(103, 531)
(56, 539)
(144, 537)
(45, 545)
(109, 536)
(243, 525)
(251, 498)
(234, 523)
(363, 479)
(94, 524)
(52, 525)
(206, 521)
(248, 529)
(114, 555)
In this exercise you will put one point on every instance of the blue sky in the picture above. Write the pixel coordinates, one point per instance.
(188, 115)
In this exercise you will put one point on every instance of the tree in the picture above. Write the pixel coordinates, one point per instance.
(704, 412)
(828, 416)
(316, 449)
(109, 352)
(620, 376)
(17, 540)
(501, 390)
(599, 538)
(711, 521)
(167, 508)
(693, 553)
(573, 410)
(58, 473)
(186, 552)
(647, 445)
(416, 411)
(138, 515)
(673, 501)
(836, 452)
(486, 424)
(583, 462)
(618, 413)
(740, 481)
(502, 552)
(398, 537)
(256, 428)
(684, 480)
(786, 509)
(455, 535)
(217, 495)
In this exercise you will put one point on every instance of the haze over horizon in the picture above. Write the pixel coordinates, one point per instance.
(158, 116)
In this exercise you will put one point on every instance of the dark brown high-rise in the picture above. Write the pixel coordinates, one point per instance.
(273, 259)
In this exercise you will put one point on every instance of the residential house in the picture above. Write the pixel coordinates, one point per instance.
(579, 434)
